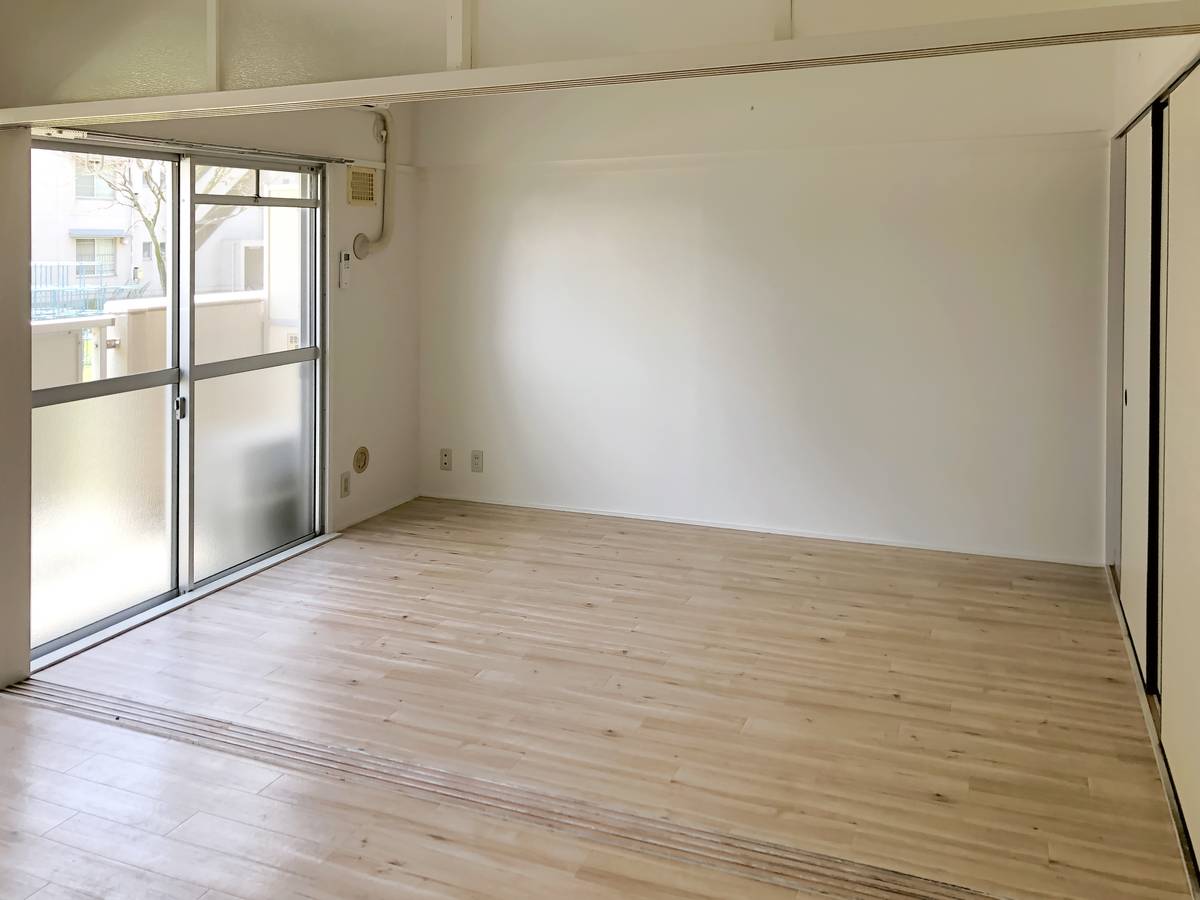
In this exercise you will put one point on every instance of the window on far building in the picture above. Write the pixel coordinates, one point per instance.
(88, 183)
(98, 254)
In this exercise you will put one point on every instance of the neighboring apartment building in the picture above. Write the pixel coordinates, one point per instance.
(91, 244)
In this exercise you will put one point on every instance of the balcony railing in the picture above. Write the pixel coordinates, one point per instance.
(65, 290)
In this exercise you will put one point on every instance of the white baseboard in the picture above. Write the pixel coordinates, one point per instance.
(360, 518)
(761, 529)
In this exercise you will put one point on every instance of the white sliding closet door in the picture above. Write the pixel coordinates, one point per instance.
(1181, 459)
(1135, 419)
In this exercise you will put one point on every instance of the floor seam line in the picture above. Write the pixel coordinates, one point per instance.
(762, 861)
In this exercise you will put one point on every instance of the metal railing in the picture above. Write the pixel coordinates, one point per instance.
(65, 290)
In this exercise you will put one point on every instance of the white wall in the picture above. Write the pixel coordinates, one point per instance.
(14, 406)
(1144, 68)
(1044, 91)
(372, 334)
(895, 342)
(373, 362)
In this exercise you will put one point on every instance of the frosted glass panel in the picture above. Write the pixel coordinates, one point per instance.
(101, 508)
(254, 463)
(254, 280)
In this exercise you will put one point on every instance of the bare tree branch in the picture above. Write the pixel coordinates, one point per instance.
(119, 178)
(149, 201)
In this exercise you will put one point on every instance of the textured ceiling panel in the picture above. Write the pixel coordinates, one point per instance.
(510, 32)
(266, 43)
(57, 51)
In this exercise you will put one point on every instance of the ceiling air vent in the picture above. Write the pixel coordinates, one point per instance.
(360, 186)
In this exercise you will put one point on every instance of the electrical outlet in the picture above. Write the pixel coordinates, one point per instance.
(447, 459)
(476, 460)
(345, 481)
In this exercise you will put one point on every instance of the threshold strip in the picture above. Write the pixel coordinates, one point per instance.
(800, 870)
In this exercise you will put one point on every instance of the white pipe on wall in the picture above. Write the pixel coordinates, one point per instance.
(363, 245)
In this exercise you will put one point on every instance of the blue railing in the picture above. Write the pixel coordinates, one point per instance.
(65, 290)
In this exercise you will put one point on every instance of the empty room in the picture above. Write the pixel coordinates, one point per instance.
(506, 449)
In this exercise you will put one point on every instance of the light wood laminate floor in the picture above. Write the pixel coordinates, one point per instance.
(91, 811)
(962, 719)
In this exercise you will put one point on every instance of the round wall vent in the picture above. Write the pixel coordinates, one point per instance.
(362, 456)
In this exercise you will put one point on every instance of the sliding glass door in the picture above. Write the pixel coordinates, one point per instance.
(252, 382)
(174, 328)
(105, 375)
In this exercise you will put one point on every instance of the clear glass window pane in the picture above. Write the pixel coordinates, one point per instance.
(101, 527)
(255, 280)
(228, 181)
(255, 464)
(293, 185)
(96, 295)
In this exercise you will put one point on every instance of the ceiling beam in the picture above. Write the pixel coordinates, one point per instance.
(212, 45)
(460, 27)
(1045, 30)
(785, 20)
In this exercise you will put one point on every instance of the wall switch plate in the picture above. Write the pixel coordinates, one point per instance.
(447, 459)
(345, 259)
(476, 460)
(345, 484)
